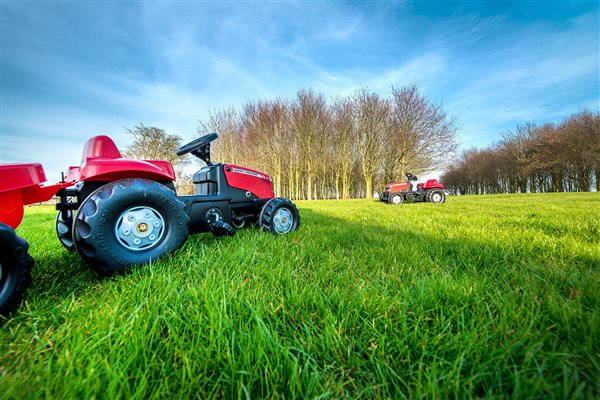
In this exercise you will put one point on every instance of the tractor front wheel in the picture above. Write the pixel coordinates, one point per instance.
(436, 196)
(129, 222)
(64, 229)
(279, 216)
(15, 269)
(396, 199)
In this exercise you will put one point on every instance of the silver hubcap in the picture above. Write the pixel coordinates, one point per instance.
(283, 220)
(396, 200)
(436, 198)
(140, 228)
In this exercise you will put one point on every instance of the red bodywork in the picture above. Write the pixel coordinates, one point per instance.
(431, 184)
(398, 187)
(102, 161)
(256, 182)
(22, 184)
(406, 186)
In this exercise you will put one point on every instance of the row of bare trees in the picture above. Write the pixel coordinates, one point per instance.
(562, 157)
(342, 148)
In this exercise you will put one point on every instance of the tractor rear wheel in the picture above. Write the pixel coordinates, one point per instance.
(436, 196)
(396, 199)
(129, 222)
(15, 269)
(279, 216)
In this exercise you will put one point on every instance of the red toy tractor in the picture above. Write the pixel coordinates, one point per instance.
(399, 192)
(116, 213)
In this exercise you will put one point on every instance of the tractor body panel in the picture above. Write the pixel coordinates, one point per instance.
(398, 187)
(256, 182)
(236, 192)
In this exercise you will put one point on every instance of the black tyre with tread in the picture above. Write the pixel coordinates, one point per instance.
(436, 196)
(396, 199)
(64, 229)
(275, 216)
(15, 269)
(99, 226)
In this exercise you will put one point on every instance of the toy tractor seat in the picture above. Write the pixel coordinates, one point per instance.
(100, 147)
(102, 161)
(432, 183)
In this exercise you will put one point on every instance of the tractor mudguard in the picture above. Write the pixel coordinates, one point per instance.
(102, 161)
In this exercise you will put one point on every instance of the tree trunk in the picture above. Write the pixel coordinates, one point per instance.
(402, 169)
(368, 186)
(309, 181)
(291, 183)
(345, 183)
(278, 183)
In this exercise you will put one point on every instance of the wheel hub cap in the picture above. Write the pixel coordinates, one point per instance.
(139, 228)
(283, 220)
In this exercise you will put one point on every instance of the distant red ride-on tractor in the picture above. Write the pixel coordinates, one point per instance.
(116, 212)
(399, 192)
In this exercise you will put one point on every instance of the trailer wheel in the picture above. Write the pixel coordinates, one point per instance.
(436, 196)
(279, 216)
(15, 269)
(129, 222)
(396, 199)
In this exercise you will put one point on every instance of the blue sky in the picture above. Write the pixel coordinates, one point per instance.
(71, 70)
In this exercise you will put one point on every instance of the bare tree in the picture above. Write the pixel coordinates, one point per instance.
(421, 134)
(315, 149)
(371, 114)
(267, 127)
(343, 145)
(151, 143)
(227, 123)
(309, 123)
(562, 157)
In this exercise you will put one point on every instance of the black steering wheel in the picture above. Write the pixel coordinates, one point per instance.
(411, 177)
(196, 144)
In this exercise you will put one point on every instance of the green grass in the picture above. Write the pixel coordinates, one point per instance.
(484, 296)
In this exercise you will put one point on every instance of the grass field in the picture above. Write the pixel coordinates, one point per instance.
(484, 296)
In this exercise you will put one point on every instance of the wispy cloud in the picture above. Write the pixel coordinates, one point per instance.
(71, 70)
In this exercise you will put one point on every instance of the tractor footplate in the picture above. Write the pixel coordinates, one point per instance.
(221, 228)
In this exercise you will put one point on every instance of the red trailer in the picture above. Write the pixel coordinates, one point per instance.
(20, 184)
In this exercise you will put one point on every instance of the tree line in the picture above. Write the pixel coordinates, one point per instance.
(555, 157)
(315, 148)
